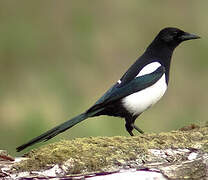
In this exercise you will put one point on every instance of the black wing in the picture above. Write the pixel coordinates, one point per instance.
(137, 84)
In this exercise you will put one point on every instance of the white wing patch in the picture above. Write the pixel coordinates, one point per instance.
(146, 70)
(138, 102)
(149, 68)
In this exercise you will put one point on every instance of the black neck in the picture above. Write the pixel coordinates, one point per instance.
(159, 52)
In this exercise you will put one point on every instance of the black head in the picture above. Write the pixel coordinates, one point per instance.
(172, 37)
(162, 47)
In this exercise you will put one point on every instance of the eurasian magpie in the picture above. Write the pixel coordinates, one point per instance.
(143, 84)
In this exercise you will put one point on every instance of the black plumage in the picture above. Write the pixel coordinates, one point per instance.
(115, 101)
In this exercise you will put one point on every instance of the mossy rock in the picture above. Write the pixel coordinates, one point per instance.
(100, 153)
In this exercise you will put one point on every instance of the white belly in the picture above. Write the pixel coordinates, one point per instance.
(138, 102)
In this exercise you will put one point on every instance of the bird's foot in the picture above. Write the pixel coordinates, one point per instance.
(137, 128)
(130, 128)
(131, 133)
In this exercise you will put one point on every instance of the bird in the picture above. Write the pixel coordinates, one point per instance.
(140, 87)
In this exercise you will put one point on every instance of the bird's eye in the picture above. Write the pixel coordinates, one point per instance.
(175, 33)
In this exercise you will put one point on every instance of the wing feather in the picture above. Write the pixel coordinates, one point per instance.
(137, 84)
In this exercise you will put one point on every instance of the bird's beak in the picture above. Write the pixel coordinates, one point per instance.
(187, 36)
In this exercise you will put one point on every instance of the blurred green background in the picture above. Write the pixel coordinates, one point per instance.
(58, 57)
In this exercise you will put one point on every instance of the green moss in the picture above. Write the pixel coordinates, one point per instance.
(98, 153)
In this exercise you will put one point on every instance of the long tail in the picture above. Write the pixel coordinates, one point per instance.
(58, 129)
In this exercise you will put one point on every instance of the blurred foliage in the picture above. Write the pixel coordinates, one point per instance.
(58, 57)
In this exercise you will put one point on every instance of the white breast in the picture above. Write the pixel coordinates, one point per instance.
(140, 101)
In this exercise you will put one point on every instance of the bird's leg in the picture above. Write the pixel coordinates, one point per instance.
(137, 128)
(128, 125)
(129, 128)
(134, 126)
